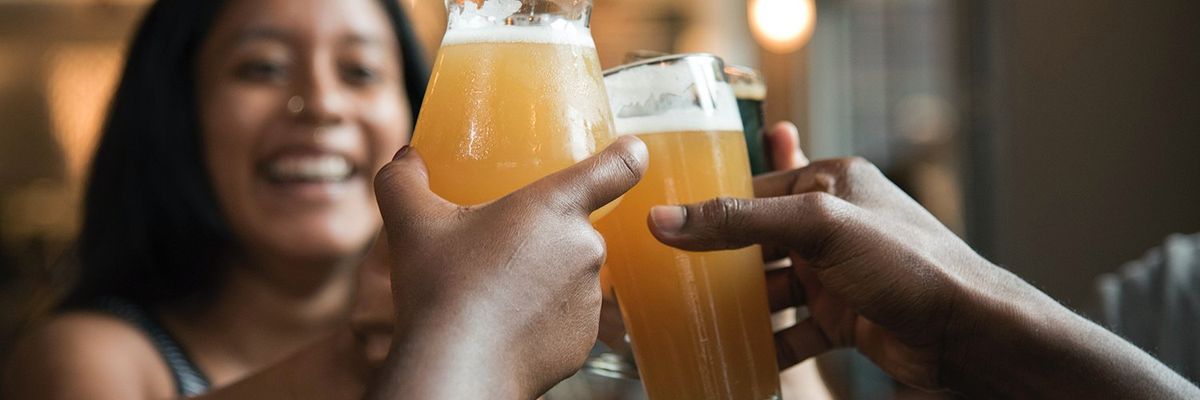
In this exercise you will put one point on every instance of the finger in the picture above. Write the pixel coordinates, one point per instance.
(809, 282)
(591, 183)
(818, 176)
(783, 290)
(800, 342)
(402, 191)
(804, 223)
(784, 141)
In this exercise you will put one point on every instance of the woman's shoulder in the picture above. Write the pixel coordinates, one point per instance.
(86, 354)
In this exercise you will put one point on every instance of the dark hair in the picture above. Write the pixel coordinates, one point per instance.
(152, 231)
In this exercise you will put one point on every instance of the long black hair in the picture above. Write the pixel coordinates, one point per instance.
(152, 230)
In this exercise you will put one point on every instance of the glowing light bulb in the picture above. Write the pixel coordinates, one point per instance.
(782, 26)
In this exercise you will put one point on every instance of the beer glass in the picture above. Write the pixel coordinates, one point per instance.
(699, 321)
(750, 91)
(516, 94)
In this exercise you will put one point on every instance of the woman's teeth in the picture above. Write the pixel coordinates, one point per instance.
(324, 168)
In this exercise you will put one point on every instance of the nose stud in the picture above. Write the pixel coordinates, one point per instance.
(295, 105)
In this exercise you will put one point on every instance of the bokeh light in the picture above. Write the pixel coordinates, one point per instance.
(782, 26)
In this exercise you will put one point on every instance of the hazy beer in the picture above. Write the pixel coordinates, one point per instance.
(513, 98)
(699, 322)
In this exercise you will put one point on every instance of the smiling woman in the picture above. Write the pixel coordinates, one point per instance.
(200, 109)
(219, 215)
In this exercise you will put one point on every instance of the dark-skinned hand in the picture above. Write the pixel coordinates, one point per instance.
(847, 238)
(880, 274)
(499, 300)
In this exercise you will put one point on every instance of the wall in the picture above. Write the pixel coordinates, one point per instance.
(1096, 154)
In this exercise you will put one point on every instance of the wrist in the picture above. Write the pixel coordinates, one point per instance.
(1002, 332)
(451, 355)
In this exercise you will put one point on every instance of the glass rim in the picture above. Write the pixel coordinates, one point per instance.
(747, 73)
(669, 58)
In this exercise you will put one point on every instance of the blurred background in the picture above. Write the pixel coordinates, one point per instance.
(1060, 138)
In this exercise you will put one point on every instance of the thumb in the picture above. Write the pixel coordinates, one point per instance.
(805, 223)
(591, 183)
(402, 191)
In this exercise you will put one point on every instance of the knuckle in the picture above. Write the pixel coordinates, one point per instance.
(860, 167)
(385, 177)
(724, 214)
(830, 220)
(857, 162)
(713, 212)
(843, 166)
(839, 175)
(631, 167)
(595, 249)
(729, 208)
(821, 207)
(386, 185)
(824, 182)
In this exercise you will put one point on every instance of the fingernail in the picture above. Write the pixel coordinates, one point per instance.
(668, 219)
(401, 152)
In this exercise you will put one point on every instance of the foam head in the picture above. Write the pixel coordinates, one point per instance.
(747, 82)
(684, 95)
(492, 22)
(563, 35)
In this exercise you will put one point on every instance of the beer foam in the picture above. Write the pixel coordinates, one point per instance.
(565, 34)
(750, 91)
(670, 98)
(487, 21)
(678, 121)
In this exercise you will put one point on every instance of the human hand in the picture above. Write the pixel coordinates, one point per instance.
(875, 269)
(501, 297)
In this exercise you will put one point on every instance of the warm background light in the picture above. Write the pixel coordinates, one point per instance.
(81, 78)
(782, 26)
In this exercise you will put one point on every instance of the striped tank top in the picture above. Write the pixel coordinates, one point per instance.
(189, 381)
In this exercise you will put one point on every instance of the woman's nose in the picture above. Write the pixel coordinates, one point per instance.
(322, 95)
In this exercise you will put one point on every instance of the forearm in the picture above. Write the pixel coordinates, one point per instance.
(334, 368)
(443, 360)
(1035, 347)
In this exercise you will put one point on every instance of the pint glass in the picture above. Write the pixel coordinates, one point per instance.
(516, 94)
(699, 321)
